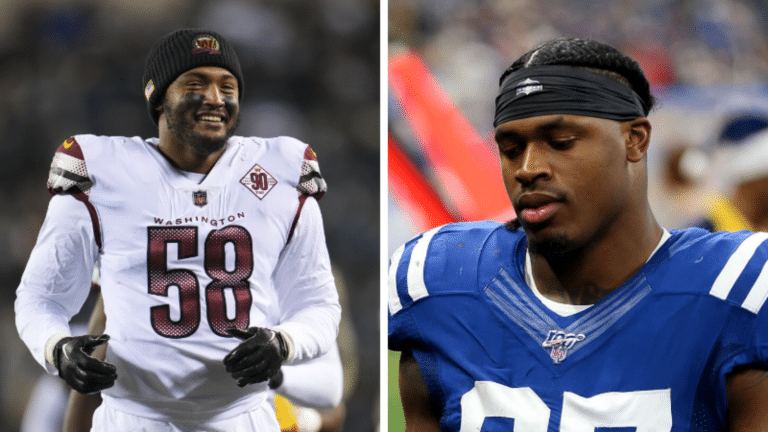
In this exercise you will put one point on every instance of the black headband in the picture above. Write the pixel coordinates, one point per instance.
(544, 90)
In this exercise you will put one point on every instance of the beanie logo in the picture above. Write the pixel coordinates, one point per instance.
(205, 43)
(149, 89)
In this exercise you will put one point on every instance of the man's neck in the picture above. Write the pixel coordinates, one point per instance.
(183, 156)
(588, 274)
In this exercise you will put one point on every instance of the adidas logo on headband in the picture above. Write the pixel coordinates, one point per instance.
(528, 86)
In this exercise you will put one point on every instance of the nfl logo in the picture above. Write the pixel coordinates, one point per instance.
(200, 198)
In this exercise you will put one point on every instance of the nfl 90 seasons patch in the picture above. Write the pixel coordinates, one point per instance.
(258, 181)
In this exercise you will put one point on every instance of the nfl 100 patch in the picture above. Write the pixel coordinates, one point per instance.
(559, 343)
(258, 181)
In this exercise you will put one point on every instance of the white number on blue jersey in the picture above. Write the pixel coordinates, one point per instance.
(646, 411)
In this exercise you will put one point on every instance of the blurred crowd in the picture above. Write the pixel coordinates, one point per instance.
(705, 60)
(468, 43)
(311, 71)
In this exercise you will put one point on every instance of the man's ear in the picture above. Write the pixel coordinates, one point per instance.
(160, 111)
(638, 133)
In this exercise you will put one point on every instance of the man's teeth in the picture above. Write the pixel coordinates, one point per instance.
(210, 118)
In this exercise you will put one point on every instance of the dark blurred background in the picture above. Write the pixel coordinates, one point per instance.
(311, 72)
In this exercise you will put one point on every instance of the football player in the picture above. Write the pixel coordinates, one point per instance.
(582, 314)
(214, 267)
(315, 385)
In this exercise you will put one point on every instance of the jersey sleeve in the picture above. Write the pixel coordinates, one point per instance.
(742, 283)
(409, 286)
(57, 279)
(757, 345)
(69, 172)
(441, 261)
(311, 182)
(729, 273)
(406, 285)
(309, 303)
(318, 383)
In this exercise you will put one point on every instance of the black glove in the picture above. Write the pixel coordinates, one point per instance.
(72, 357)
(258, 357)
(276, 380)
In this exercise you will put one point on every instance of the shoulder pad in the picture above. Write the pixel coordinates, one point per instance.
(69, 173)
(311, 181)
(292, 154)
(728, 265)
(743, 279)
(443, 260)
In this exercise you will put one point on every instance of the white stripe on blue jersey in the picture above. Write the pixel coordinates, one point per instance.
(394, 263)
(759, 292)
(415, 277)
(414, 280)
(735, 266)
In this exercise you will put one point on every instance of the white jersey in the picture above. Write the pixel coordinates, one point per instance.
(182, 259)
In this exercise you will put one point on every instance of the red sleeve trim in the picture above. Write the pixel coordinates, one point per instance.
(83, 198)
(302, 199)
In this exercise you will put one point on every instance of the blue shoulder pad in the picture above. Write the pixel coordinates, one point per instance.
(728, 265)
(443, 260)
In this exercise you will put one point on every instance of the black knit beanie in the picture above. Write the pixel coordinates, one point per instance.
(181, 51)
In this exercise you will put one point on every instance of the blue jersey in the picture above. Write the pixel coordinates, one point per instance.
(651, 356)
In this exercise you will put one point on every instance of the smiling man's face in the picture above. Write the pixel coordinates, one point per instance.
(201, 108)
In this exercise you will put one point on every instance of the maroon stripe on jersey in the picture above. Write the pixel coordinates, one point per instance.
(302, 199)
(72, 148)
(83, 198)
